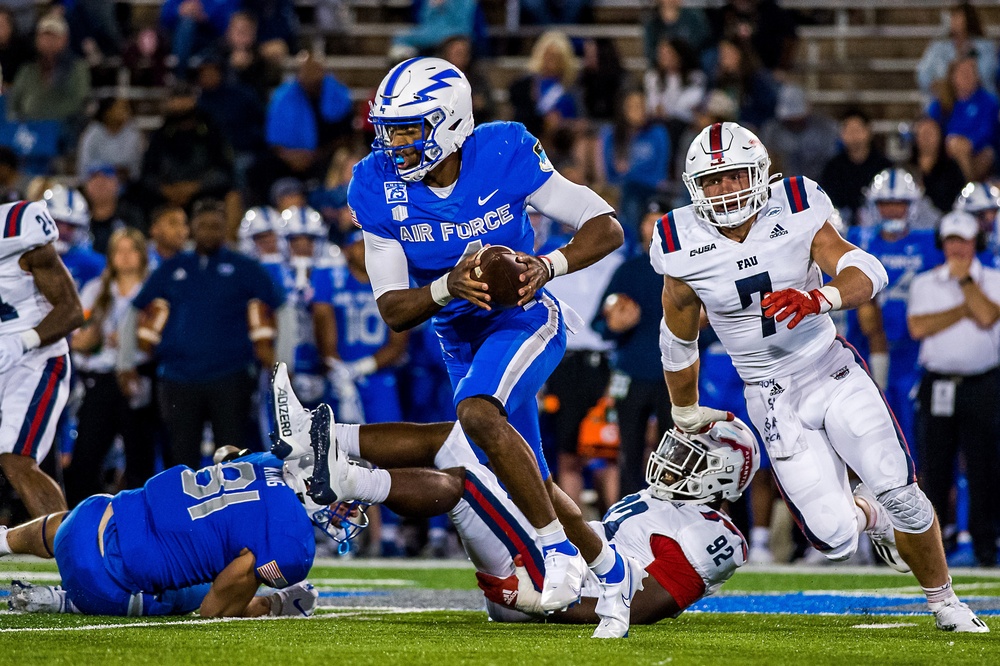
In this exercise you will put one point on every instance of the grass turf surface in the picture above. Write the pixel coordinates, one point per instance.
(347, 635)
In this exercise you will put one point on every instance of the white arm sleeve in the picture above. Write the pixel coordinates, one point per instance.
(568, 203)
(386, 263)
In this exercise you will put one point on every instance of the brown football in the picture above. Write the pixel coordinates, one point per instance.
(498, 267)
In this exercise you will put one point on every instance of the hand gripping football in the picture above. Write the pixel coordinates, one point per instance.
(499, 269)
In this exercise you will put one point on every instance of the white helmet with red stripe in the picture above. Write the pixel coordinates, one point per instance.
(727, 147)
(704, 467)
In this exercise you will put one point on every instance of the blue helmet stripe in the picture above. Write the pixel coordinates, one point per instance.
(892, 180)
(394, 77)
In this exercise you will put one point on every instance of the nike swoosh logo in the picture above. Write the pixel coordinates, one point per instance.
(482, 201)
(298, 605)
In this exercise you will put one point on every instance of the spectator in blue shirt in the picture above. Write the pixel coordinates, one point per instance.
(636, 154)
(968, 113)
(549, 93)
(206, 358)
(305, 118)
(438, 20)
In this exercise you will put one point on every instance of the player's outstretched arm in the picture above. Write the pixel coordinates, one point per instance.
(857, 275)
(56, 285)
(679, 355)
(232, 592)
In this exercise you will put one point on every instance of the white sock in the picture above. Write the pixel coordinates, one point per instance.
(551, 534)
(862, 518)
(371, 486)
(604, 562)
(938, 596)
(4, 546)
(760, 537)
(349, 437)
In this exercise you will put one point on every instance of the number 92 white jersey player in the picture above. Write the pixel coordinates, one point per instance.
(753, 252)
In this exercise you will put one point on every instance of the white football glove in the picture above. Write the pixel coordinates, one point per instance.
(297, 600)
(362, 367)
(11, 351)
(349, 408)
(695, 418)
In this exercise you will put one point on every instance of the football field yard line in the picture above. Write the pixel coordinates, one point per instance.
(323, 613)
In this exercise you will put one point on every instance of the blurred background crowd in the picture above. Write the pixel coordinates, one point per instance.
(217, 138)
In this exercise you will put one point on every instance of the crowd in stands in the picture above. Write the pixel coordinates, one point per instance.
(255, 141)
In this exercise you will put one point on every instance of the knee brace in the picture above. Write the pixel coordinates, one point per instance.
(843, 551)
(909, 509)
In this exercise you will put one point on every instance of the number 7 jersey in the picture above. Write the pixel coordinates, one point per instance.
(730, 278)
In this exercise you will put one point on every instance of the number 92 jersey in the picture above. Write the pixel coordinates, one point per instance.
(24, 226)
(710, 542)
(730, 278)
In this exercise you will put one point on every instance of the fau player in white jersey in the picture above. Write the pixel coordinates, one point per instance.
(753, 254)
(678, 543)
(39, 307)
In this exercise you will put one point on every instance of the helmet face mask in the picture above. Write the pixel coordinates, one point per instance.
(892, 200)
(427, 99)
(701, 468)
(722, 148)
(341, 521)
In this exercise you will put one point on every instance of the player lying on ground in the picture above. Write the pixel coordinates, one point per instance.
(189, 540)
(673, 530)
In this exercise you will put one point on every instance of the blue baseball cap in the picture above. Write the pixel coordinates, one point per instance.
(102, 168)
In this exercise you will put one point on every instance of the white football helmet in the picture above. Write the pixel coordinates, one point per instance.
(429, 92)
(981, 200)
(303, 221)
(67, 205)
(893, 185)
(259, 220)
(701, 468)
(726, 147)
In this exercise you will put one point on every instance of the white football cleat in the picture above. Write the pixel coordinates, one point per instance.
(28, 598)
(956, 616)
(332, 480)
(882, 535)
(291, 420)
(614, 606)
(297, 600)
(564, 575)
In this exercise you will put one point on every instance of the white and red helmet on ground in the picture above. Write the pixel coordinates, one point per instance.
(704, 467)
(726, 147)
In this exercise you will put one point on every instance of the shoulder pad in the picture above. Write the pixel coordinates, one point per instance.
(24, 226)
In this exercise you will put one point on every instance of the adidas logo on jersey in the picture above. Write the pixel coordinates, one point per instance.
(777, 231)
(776, 389)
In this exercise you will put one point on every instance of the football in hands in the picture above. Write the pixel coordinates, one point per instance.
(499, 269)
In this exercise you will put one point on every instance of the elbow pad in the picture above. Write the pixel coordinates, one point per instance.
(676, 354)
(868, 265)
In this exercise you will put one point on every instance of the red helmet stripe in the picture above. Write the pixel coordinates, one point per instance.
(715, 142)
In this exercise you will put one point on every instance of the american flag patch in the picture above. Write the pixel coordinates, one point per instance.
(271, 574)
(354, 218)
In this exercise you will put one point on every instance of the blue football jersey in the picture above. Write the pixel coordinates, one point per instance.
(903, 259)
(185, 526)
(83, 264)
(361, 331)
(280, 274)
(502, 164)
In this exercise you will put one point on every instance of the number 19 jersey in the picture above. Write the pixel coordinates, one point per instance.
(185, 526)
(730, 278)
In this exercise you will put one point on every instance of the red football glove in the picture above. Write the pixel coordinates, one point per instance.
(515, 591)
(794, 303)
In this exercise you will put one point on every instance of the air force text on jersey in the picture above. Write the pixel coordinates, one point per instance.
(479, 226)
